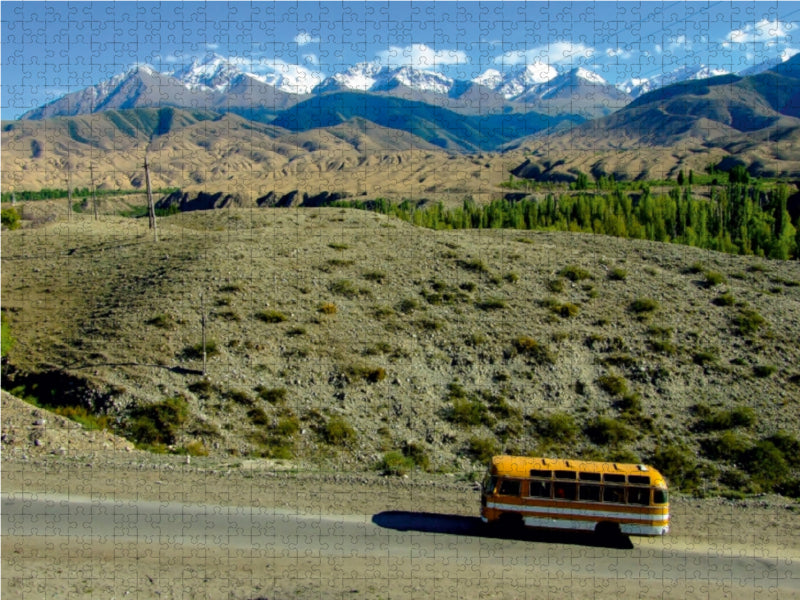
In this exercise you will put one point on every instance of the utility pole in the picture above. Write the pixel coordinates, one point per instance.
(94, 196)
(151, 211)
(203, 324)
(69, 195)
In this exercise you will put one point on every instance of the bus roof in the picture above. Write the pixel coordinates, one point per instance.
(521, 466)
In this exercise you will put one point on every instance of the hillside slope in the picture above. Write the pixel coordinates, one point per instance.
(337, 335)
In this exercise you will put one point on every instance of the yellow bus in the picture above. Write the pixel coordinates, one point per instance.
(605, 497)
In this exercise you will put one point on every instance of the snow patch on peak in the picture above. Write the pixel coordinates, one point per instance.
(491, 78)
(590, 76)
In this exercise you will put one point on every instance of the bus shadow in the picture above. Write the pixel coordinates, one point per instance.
(400, 520)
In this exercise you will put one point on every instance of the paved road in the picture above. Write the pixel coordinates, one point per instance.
(434, 552)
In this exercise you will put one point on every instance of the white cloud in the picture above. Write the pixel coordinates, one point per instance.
(680, 42)
(618, 53)
(789, 53)
(765, 31)
(211, 46)
(420, 56)
(303, 39)
(556, 53)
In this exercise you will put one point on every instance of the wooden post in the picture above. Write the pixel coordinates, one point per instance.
(151, 207)
(94, 196)
(69, 195)
(203, 324)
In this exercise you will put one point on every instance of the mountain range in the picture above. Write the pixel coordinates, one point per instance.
(221, 84)
(402, 133)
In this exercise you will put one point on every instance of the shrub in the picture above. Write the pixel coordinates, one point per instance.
(475, 264)
(195, 448)
(612, 384)
(482, 449)
(618, 274)
(537, 353)
(240, 397)
(719, 419)
(230, 288)
(705, 357)
(271, 316)
(642, 306)
(417, 455)
(725, 299)
(338, 432)
(678, 465)
(663, 346)
(766, 465)
(631, 403)
(714, 278)
(196, 351)
(272, 395)
(555, 285)
(287, 426)
(607, 430)
(491, 304)
(202, 388)
(258, 416)
(468, 412)
(338, 246)
(367, 373)
(558, 427)
(728, 445)
(764, 370)
(788, 445)
(376, 276)
(748, 321)
(395, 463)
(574, 273)
(567, 309)
(10, 218)
(157, 424)
(328, 308)
(407, 305)
(162, 321)
(511, 277)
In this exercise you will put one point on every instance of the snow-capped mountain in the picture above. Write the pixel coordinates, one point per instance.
(372, 77)
(139, 86)
(219, 74)
(637, 86)
(516, 83)
(211, 73)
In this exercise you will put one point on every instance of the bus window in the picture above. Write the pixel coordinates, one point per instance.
(566, 475)
(660, 496)
(639, 496)
(488, 485)
(509, 487)
(639, 479)
(613, 493)
(539, 489)
(544, 473)
(590, 492)
(564, 491)
(590, 476)
(614, 478)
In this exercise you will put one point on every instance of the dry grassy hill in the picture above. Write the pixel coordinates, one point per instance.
(340, 336)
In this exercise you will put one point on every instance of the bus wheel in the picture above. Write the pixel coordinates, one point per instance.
(510, 523)
(608, 531)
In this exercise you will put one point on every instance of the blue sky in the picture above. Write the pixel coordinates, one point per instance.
(53, 48)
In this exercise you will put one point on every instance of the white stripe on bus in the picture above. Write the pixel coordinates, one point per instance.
(579, 512)
(629, 528)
